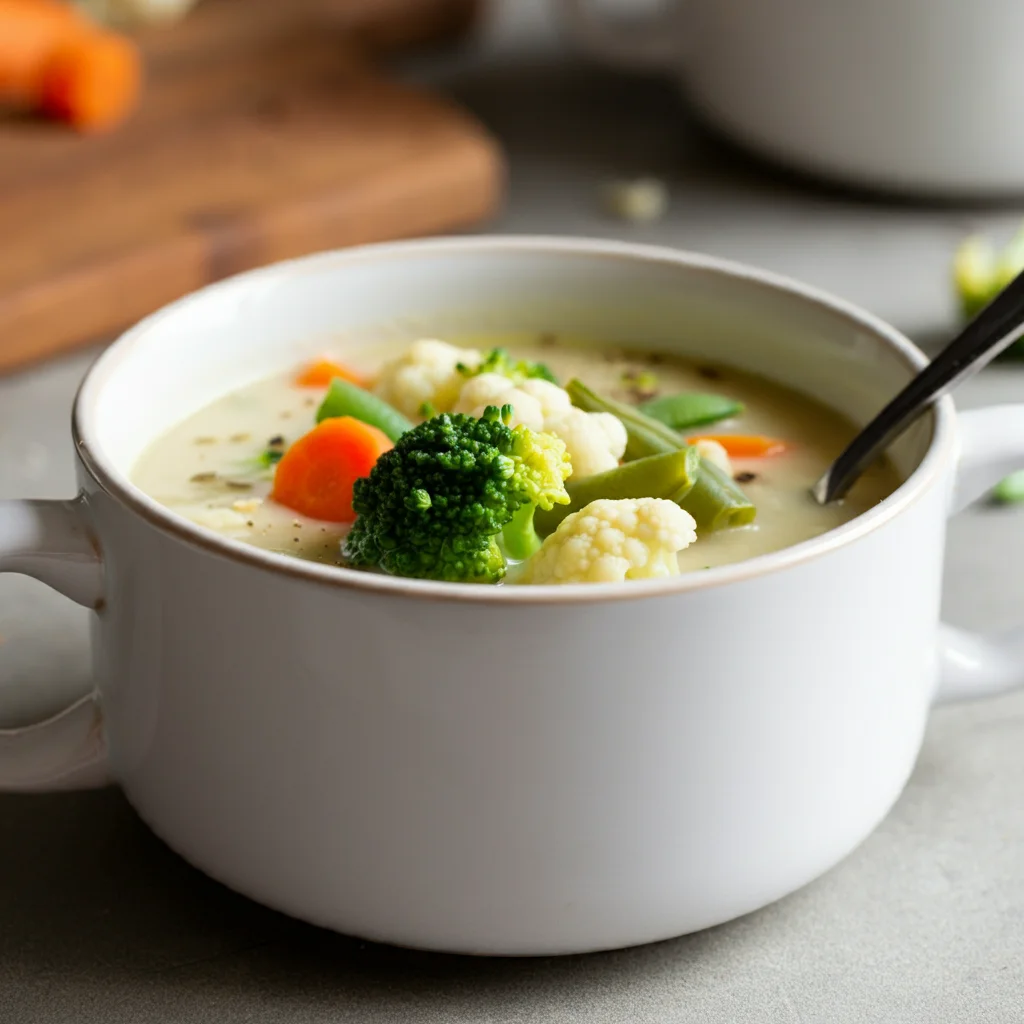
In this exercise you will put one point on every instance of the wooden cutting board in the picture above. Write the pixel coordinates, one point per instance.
(264, 134)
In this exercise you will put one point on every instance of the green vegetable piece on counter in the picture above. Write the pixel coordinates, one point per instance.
(690, 409)
(1010, 490)
(714, 501)
(344, 398)
(981, 271)
(670, 475)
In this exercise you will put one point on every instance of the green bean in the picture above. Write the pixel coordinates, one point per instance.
(658, 476)
(690, 409)
(715, 502)
(1010, 490)
(346, 399)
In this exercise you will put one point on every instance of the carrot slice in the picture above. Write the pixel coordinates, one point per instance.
(316, 474)
(91, 80)
(30, 30)
(320, 375)
(744, 446)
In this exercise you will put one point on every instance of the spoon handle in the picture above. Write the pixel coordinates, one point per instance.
(994, 329)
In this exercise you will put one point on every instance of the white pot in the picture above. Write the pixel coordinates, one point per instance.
(503, 770)
(918, 96)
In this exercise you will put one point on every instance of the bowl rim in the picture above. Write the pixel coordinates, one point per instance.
(117, 484)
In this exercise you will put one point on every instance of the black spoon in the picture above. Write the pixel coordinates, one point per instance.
(994, 329)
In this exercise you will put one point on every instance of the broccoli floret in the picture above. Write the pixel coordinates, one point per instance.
(517, 370)
(435, 506)
(542, 469)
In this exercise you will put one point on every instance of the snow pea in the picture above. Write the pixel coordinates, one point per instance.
(690, 409)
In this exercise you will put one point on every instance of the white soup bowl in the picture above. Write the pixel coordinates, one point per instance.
(506, 770)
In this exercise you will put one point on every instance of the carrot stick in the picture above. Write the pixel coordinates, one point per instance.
(91, 80)
(744, 446)
(29, 32)
(321, 373)
(316, 474)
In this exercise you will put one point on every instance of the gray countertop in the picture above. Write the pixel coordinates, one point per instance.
(101, 924)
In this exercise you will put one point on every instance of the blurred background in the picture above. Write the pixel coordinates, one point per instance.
(251, 130)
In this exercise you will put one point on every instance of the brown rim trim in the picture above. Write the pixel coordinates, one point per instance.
(118, 486)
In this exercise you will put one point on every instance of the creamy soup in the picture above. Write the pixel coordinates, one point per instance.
(208, 468)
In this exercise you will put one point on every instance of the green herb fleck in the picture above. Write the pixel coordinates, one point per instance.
(271, 455)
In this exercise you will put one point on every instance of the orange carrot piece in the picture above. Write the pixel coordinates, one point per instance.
(316, 474)
(30, 30)
(744, 446)
(92, 80)
(320, 375)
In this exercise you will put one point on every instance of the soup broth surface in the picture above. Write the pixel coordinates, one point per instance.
(206, 468)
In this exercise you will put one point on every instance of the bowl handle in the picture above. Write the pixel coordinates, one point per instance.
(652, 43)
(51, 542)
(973, 664)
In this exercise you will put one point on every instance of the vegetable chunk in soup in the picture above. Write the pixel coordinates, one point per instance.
(539, 461)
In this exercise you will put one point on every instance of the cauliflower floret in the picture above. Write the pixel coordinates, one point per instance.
(609, 541)
(426, 372)
(595, 440)
(715, 453)
(553, 400)
(495, 389)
